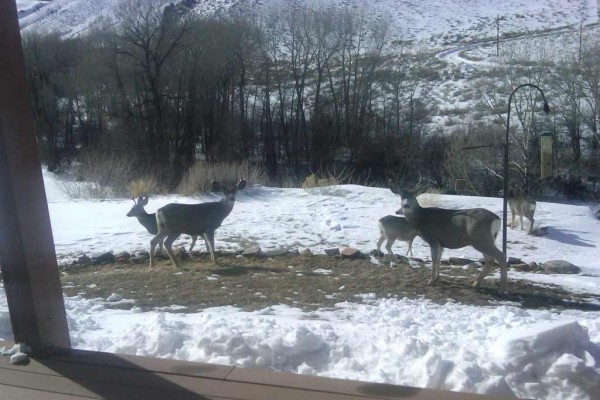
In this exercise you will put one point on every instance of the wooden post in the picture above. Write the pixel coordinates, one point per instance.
(27, 255)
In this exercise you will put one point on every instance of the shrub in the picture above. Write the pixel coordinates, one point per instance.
(100, 174)
(199, 176)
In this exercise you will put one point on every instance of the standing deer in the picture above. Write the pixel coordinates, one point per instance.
(148, 221)
(523, 207)
(453, 229)
(194, 219)
(392, 228)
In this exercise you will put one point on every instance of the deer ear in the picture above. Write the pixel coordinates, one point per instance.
(394, 188)
(140, 199)
(241, 185)
(145, 202)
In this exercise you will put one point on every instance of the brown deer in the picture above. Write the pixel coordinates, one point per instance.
(523, 207)
(392, 228)
(148, 221)
(453, 229)
(194, 219)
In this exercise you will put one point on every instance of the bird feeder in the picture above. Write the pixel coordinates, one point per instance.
(546, 142)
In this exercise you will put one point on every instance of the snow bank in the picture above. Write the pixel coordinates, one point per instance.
(500, 350)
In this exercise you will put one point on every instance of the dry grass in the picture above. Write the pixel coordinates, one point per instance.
(143, 186)
(199, 177)
(253, 283)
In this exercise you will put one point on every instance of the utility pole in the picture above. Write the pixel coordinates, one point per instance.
(498, 36)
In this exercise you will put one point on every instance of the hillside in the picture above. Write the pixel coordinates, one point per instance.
(437, 23)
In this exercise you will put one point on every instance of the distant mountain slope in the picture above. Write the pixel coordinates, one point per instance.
(434, 21)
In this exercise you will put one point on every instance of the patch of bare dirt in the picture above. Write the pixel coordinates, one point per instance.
(308, 282)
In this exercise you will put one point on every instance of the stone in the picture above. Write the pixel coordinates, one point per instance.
(84, 260)
(560, 267)
(102, 259)
(459, 261)
(332, 252)
(306, 252)
(514, 260)
(376, 253)
(251, 251)
(275, 252)
(122, 256)
(352, 253)
(294, 252)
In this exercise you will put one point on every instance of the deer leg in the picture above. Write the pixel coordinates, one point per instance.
(379, 242)
(194, 238)
(512, 222)
(521, 216)
(410, 247)
(168, 242)
(490, 255)
(209, 237)
(158, 239)
(436, 256)
(530, 226)
(388, 245)
(485, 270)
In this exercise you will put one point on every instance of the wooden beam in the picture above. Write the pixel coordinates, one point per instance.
(27, 255)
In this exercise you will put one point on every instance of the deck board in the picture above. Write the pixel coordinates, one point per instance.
(82, 374)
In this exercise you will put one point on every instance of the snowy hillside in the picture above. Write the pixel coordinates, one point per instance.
(434, 22)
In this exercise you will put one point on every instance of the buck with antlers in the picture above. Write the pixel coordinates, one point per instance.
(453, 229)
(148, 221)
(194, 219)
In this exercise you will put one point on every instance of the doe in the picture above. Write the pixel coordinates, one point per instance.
(392, 228)
(194, 219)
(148, 221)
(523, 207)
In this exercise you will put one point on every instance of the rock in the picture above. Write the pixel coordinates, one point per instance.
(459, 261)
(294, 252)
(122, 256)
(114, 298)
(106, 258)
(376, 253)
(396, 259)
(524, 267)
(181, 253)
(534, 267)
(473, 266)
(332, 252)
(84, 260)
(540, 231)
(352, 253)
(19, 359)
(306, 252)
(560, 267)
(251, 251)
(514, 260)
(275, 252)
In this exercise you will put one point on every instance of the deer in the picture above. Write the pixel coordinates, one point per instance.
(194, 219)
(444, 228)
(148, 221)
(392, 228)
(523, 207)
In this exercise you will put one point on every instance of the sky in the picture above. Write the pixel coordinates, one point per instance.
(498, 349)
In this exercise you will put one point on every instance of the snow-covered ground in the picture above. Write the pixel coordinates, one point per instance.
(499, 349)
